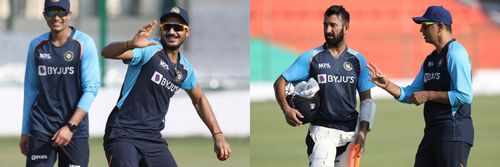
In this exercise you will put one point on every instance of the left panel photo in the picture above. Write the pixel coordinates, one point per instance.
(116, 82)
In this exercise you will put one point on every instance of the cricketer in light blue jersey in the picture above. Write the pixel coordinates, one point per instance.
(444, 85)
(342, 75)
(61, 81)
(156, 71)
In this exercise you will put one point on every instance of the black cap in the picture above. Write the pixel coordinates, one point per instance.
(57, 3)
(176, 11)
(435, 14)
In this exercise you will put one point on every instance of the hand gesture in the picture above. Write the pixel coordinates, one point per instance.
(140, 39)
(418, 98)
(62, 137)
(292, 117)
(377, 77)
(221, 147)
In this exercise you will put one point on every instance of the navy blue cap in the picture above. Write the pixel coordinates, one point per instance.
(176, 11)
(435, 14)
(57, 3)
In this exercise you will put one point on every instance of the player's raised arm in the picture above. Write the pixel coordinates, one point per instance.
(382, 81)
(123, 49)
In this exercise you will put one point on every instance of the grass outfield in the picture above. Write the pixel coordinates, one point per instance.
(398, 129)
(188, 152)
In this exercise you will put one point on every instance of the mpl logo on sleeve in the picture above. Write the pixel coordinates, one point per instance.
(44, 56)
(324, 66)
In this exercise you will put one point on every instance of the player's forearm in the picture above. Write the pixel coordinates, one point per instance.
(206, 114)
(363, 126)
(279, 93)
(438, 96)
(393, 89)
(117, 50)
(77, 117)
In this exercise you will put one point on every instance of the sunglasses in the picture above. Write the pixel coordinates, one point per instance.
(176, 27)
(53, 13)
(426, 25)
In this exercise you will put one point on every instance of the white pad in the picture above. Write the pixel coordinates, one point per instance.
(325, 148)
(307, 89)
(367, 110)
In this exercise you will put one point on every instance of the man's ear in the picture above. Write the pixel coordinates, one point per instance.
(188, 31)
(346, 26)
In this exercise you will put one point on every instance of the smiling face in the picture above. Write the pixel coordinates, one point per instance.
(174, 37)
(334, 30)
(57, 19)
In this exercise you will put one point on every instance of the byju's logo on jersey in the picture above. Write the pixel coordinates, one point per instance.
(324, 66)
(44, 56)
(48, 70)
(431, 76)
(157, 77)
(160, 80)
(324, 78)
(35, 157)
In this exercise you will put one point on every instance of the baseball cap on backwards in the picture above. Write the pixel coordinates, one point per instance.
(176, 11)
(57, 3)
(435, 14)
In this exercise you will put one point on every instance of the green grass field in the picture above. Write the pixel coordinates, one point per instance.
(188, 152)
(397, 131)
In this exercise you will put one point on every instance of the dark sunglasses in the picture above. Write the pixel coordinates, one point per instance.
(52, 13)
(426, 25)
(176, 27)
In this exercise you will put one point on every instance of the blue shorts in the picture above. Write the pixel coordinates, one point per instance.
(442, 154)
(135, 153)
(42, 153)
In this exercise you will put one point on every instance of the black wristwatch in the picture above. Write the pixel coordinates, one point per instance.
(72, 127)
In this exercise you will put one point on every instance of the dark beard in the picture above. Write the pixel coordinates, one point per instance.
(169, 47)
(335, 42)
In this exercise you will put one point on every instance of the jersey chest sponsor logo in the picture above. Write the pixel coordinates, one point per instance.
(326, 78)
(432, 76)
(44, 70)
(324, 66)
(160, 80)
(44, 56)
(164, 65)
(35, 157)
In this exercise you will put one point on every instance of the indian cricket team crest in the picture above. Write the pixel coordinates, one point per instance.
(347, 66)
(430, 64)
(175, 10)
(178, 76)
(69, 56)
(440, 62)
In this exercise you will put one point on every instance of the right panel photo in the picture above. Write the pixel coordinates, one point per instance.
(383, 83)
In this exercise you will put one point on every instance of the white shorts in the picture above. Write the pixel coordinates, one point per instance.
(326, 141)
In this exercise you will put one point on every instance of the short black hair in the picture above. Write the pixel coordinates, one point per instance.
(447, 27)
(338, 10)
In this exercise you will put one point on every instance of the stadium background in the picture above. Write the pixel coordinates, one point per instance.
(384, 33)
(218, 48)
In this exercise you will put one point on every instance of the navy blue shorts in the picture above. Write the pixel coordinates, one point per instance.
(442, 154)
(135, 153)
(42, 153)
